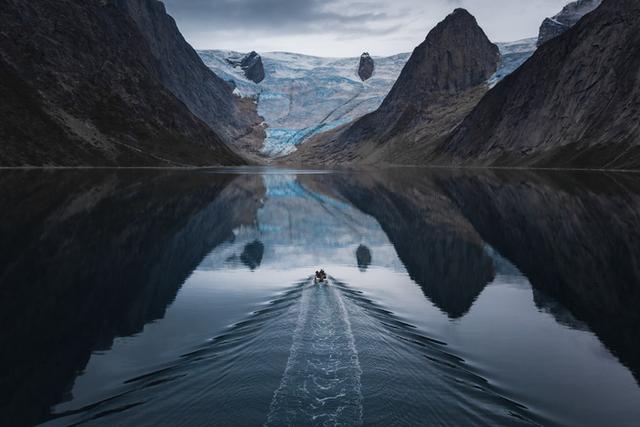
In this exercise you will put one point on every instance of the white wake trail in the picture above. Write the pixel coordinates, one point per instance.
(321, 382)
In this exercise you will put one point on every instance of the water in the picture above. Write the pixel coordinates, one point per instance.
(171, 298)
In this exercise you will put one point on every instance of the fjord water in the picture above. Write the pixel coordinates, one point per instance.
(186, 298)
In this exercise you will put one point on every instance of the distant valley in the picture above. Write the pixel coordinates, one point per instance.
(302, 96)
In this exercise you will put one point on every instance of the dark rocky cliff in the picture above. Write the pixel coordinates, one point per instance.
(443, 78)
(455, 56)
(567, 18)
(365, 67)
(575, 103)
(80, 86)
(182, 71)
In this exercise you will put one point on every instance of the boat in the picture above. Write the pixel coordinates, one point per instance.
(320, 277)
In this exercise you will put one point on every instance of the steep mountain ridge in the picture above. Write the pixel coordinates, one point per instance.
(574, 104)
(81, 87)
(443, 79)
(182, 71)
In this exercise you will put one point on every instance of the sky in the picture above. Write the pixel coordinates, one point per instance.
(340, 28)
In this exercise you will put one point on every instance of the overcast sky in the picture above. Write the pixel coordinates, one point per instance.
(344, 27)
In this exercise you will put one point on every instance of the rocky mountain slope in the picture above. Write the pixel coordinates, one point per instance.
(567, 18)
(182, 71)
(81, 85)
(443, 79)
(575, 103)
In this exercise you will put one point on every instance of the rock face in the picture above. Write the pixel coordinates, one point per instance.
(182, 71)
(445, 76)
(456, 56)
(365, 67)
(567, 18)
(251, 65)
(80, 86)
(575, 103)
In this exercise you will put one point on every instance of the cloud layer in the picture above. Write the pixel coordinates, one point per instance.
(342, 27)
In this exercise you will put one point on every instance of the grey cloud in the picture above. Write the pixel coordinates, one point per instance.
(276, 16)
(344, 27)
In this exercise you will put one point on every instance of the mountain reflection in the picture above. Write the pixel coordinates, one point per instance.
(575, 236)
(89, 256)
(252, 254)
(363, 257)
(86, 257)
(439, 248)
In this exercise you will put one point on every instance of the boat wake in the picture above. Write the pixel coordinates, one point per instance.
(308, 357)
(321, 381)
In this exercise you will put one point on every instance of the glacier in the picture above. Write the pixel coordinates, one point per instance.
(304, 95)
(513, 55)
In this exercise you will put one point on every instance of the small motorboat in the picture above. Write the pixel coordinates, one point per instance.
(320, 277)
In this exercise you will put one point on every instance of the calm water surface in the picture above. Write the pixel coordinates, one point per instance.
(150, 298)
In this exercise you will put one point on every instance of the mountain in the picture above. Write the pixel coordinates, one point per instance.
(366, 66)
(567, 18)
(443, 79)
(574, 104)
(81, 85)
(182, 71)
